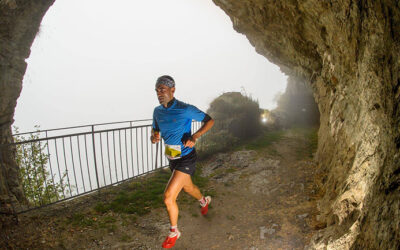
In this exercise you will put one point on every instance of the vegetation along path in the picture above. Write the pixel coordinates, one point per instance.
(264, 197)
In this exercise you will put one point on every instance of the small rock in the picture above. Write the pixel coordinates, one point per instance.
(302, 216)
(270, 231)
(264, 230)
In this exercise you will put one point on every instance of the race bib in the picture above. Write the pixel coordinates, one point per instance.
(173, 152)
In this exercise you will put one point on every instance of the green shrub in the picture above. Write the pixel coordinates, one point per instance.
(35, 178)
(237, 118)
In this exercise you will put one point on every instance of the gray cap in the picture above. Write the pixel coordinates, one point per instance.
(166, 80)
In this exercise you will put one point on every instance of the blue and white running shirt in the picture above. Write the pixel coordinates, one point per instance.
(175, 123)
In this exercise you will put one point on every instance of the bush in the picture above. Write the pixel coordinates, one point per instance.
(237, 118)
(35, 178)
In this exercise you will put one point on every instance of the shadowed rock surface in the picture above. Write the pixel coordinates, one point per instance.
(349, 53)
(19, 23)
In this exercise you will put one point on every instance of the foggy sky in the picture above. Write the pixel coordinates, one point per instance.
(97, 61)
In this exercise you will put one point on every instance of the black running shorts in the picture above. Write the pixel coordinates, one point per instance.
(186, 164)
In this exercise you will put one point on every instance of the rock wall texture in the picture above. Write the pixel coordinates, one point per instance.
(19, 23)
(349, 51)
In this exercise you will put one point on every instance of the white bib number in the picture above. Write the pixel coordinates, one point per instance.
(173, 152)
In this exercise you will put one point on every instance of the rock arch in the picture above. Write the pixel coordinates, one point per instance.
(348, 51)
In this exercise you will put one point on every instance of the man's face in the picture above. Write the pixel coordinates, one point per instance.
(164, 94)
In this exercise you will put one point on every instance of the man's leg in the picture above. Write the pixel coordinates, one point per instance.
(190, 188)
(174, 186)
(194, 191)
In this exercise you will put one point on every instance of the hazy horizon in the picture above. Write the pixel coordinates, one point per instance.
(96, 61)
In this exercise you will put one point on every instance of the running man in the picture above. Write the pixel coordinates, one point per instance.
(173, 119)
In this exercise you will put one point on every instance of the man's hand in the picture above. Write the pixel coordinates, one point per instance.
(190, 142)
(155, 136)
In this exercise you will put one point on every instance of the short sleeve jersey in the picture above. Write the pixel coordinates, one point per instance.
(175, 123)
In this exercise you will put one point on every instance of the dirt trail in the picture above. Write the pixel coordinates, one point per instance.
(262, 199)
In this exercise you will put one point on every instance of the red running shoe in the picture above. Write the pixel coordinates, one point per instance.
(204, 209)
(169, 242)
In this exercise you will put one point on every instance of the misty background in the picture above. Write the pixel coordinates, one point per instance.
(97, 61)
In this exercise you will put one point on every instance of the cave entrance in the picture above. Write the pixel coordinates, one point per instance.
(105, 64)
(76, 85)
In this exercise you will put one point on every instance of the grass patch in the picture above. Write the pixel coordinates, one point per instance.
(185, 199)
(265, 140)
(125, 238)
(197, 179)
(230, 170)
(143, 195)
(310, 136)
(82, 220)
(139, 197)
(128, 220)
(108, 219)
(210, 192)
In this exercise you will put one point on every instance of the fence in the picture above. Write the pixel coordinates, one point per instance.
(59, 167)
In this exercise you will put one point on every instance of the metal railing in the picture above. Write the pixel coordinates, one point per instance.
(61, 167)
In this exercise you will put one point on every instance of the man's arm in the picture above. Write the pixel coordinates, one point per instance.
(155, 131)
(204, 128)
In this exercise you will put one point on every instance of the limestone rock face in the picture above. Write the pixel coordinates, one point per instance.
(19, 23)
(349, 51)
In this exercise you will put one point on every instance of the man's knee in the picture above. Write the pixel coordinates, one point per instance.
(168, 199)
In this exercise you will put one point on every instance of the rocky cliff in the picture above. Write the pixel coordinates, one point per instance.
(19, 23)
(348, 51)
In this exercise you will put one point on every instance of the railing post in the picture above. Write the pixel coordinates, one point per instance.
(155, 165)
(95, 161)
